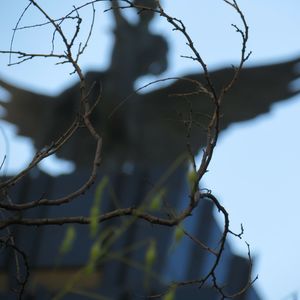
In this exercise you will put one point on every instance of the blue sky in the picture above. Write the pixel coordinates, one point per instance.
(255, 170)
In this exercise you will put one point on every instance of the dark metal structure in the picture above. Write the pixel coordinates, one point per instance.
(121, 275)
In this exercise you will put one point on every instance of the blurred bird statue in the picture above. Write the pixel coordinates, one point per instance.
(147, 129)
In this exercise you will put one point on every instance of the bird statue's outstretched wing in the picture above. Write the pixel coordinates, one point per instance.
(44, 119)
(28, 111)
(257, 89)
(165, 117)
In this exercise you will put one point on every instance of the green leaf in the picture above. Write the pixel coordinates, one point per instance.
(156, 201)
(95, 209)
(170, 295)
(150, 255)
(95, 251)
(68, 240)
(94, 225)
(89, 268)
(95, 254)
(192, 178)
(178, 234)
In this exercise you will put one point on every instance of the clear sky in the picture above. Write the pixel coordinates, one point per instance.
(255, 170)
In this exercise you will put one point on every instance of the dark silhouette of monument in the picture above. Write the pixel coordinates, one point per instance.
(142, 128)
(147, 131)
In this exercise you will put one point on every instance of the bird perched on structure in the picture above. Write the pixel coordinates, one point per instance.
(147, 129)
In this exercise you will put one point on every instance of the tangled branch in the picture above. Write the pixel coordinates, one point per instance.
(83, 119)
